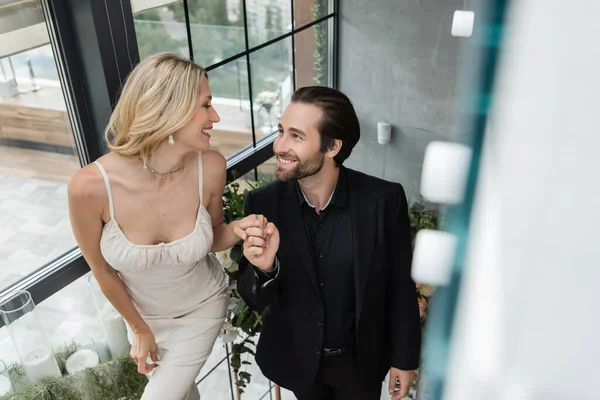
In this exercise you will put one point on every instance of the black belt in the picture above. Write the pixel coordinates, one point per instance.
(336, 352)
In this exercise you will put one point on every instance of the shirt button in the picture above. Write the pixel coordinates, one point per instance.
(320, 322)
(321, 283)
(317, 350)
(320, 255)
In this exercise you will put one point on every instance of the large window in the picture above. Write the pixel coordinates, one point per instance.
(62, 63)
(37, 149)
(61, 68)
(257, 53)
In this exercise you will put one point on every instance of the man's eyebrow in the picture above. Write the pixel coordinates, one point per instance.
(299, 131)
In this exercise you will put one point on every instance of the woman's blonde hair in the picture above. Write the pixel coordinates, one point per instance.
(159, 97)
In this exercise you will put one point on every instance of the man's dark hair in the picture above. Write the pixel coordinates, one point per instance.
(339, 119)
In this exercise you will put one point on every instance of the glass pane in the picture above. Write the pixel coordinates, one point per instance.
(266, 170)
(229, 87)
(37, 158)
(272, 85)
(312, 56)
(268, 20)
(217, 28)
(307, 11)
(265, 173)
(158, 30)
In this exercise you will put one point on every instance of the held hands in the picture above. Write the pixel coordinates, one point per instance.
(261, 240)
(143, 345)
(400, 383)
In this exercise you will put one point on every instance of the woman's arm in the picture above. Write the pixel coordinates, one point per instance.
(87, 200)
(215, 177)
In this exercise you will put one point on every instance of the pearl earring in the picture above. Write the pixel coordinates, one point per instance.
(171, 141)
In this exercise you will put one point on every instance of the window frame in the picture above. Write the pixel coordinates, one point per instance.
(93, 61)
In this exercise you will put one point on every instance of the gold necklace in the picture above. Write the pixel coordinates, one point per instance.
(162, 175)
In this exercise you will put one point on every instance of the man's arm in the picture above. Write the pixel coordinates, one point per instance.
(256, 286)
(403, 306)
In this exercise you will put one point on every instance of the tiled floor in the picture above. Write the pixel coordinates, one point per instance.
(34, 225)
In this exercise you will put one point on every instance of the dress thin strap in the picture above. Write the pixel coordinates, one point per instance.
(108, 191)
(200, 176)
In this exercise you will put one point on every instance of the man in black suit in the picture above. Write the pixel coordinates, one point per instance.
(331, 270)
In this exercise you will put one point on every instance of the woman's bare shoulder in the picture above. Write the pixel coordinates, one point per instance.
(213, 159)
(214, 165)
(214, 172)
(87, 184)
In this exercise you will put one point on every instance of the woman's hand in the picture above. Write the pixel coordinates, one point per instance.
(143, 345)
(250, 221)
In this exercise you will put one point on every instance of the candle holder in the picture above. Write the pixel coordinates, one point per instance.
(5, 383)
(20, 317)
(113, 324)
(99, 346)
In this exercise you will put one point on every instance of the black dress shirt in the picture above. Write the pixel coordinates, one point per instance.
(329, 236)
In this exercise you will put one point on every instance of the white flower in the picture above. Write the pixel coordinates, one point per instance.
(229, 333)
(233, 303)
(226, 261)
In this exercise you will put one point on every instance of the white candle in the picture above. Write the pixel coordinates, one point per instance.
(115, 330)
(40, 363)
(5, 385)
(101, 347)
(81, 360)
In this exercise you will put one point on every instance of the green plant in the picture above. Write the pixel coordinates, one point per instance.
(422, 218)
(63, 353)
(320, 67)
(113, 380)
(239, 316)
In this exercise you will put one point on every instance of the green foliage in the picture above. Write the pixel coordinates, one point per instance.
(421, 218)
(241, 317)
(63, 353)
(113, 380)
(320, 67)
(238, 350)
(233, 202)
(233, 209)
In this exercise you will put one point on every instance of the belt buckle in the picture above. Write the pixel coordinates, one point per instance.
(334, 352)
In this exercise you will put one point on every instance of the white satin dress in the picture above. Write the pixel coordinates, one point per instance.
(181, 291)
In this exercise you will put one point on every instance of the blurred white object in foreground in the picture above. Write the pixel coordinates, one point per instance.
(527, 326)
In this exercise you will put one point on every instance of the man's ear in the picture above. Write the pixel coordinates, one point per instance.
(334, 149)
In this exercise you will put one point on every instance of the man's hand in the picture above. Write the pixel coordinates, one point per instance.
(253, 220)
(400, 383)
(261, 241)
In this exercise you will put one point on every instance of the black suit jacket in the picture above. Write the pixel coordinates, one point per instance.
(388, 329)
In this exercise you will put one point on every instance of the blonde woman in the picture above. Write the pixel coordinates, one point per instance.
(147, 215)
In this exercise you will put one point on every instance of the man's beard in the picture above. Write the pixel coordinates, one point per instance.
(303, 168)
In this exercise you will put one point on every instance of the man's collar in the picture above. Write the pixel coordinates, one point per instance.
(339, 196)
